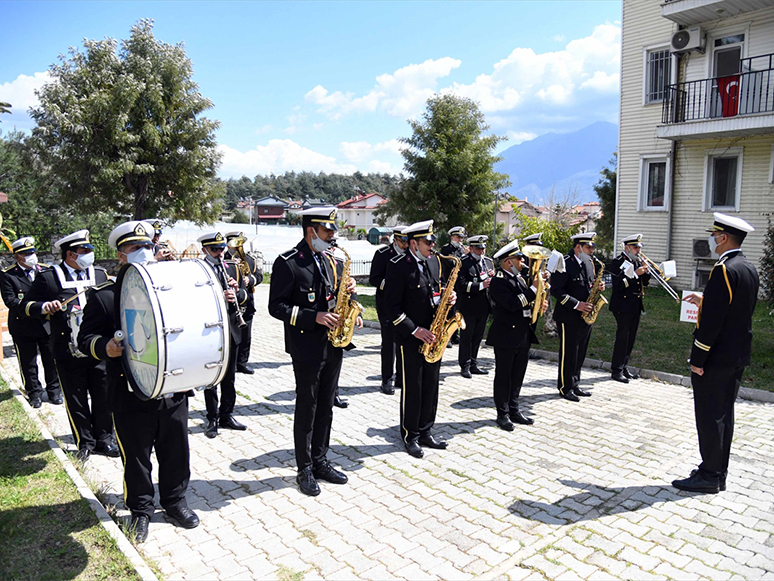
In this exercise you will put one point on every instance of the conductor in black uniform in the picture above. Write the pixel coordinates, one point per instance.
(721, 350)
(252, 279)
(304, 286)
(630, 277)
(377, 278)
(571, 290)
(473, 281)
(412, 294)
(235, 293)
(140, 425)
(29, 335)
(81, 377)
(511, 333)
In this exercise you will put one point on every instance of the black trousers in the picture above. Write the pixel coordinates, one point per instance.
(388, 352)
(510, 367)
(316, 385)
(80, 379)
(573, 343)
(227, 390)
(714, 394)
(137, 434)
(470, 338)
(243, 349)
(27, 354)
(625, 335)
(419, 397)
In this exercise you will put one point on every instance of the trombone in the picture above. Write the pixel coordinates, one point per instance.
(538, 257)
(658, 274)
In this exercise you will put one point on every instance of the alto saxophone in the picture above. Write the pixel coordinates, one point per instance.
(347, 309)
(595, 296)
(442, 328)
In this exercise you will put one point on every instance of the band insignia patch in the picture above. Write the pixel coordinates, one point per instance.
(311, 297)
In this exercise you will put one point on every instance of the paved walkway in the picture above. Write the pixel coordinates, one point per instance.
(584, 493)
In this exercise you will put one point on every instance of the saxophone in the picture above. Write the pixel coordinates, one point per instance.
(443, 329)
(347, 309)
(595, 296)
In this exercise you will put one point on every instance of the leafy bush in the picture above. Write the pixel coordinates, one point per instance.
(767, 266)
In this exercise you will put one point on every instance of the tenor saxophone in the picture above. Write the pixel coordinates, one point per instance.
(442, 328)
(595, 296)
(347, 309)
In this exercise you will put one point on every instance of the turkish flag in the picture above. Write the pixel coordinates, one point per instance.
(728, 87)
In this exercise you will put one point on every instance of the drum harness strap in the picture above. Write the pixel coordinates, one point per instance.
(74, 318)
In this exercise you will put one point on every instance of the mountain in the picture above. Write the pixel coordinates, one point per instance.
(561, 160)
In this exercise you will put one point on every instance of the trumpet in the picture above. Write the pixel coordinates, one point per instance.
(538, 259)
(658, 274)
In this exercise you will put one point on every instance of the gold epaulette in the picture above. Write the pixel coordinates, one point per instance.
(9, 268)
(105, 284)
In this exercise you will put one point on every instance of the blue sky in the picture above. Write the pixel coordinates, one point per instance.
(328, 86)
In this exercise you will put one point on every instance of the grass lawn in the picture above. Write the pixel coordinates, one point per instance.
(663, 342)
(48, 531)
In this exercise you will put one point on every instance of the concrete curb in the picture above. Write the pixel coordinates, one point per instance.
(145, 572)
(747, 393)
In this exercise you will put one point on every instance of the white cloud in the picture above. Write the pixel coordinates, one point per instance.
(558, 37)
(603, 82)
(278, 156)
(265, 129)
(357, 151)
(377, 166)
(516, 137)
(20, 93)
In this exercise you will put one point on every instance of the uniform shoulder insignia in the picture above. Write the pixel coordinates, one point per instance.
(105, 284)
(383, 249)
(289, 254)
(500, 274)
(398, 258)
(45, 266)
(229, 262)
(100, 268)
(9, 268)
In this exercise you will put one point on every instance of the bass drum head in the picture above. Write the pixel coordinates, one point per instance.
(138, 313)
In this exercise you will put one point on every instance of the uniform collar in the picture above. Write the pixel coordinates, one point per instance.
(727, 252)
(72, 271)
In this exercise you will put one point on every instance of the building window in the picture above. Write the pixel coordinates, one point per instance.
(723, 179)
(657, 70)
(654, 184)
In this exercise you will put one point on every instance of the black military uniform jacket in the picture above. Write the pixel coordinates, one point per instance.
(723, 335)
(447, 265)
(570, 288)
(233, 271)
(471, 298)
(378, 273)
(97, 328)
(47, 288)
(298, 292)
(511, 297)
(409, 292)
(14, 284)
(627, 292)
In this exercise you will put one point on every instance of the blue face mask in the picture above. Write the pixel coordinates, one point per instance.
(140, 256)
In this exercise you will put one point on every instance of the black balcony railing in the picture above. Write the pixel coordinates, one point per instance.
(748, 92)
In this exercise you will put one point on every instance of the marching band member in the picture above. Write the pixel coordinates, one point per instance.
(411, 296)
(227, 273)
(302, 295)
(29, 335)
(630, 277)
(140, 425)
(377, 279)
(457, 235)
(160, 253)
(721, 351)
(81, 376)
(511, 333)
(571, 290)
(473, 281)
(251, 281)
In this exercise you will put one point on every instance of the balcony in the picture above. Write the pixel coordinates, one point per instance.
(730, 106)
(691, 12)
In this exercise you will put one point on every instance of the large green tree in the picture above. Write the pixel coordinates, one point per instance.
(449, 164)
(123, 128)
(605, 190)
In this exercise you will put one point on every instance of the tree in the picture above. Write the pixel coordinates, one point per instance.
(555, 235)
(449, 162)
(767, 265)
(605, 190)
(5, 108)
(123, 129)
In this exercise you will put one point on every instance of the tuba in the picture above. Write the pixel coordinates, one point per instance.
(595, 296)
(538, 256)
(442, 328)
(347, 309)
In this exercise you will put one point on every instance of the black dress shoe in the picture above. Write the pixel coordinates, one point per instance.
(465, 372)
(504, 422)
(387, 387)
(36, 402)
(629, 375)
(231, 424)
(55, 399)
(184, 516)
(83, 455)
(569, 395)
(108, 449)
(581, 392)
(340, 403)
(212, 429)
(431, 441)
(244, 369)
(520, 418)
(697, 483)
(619, 377)
(721, 480)
(328, 473)
(307, 483)
(476, 370)
(138, 528)
(414, 449)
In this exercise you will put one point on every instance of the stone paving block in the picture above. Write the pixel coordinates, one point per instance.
(612, 566)
(546, 567)
(643, 561)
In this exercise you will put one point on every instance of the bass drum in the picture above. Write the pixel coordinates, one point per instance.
(175, 324)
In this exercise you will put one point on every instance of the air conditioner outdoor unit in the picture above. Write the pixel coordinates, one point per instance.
(701, 249)
(688, 39)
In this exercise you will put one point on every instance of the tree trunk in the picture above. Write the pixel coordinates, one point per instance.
(140, 197)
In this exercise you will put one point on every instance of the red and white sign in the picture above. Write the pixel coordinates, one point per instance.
(689, 313)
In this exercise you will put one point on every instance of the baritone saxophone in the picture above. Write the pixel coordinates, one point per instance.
(442, 328)
(347, 309)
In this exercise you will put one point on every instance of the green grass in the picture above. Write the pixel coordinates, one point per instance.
(369, 304)
(48, 531)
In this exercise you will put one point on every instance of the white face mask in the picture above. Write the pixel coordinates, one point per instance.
(713, 244)
(140, 256)
(456, 244)
(210, 258)
(31, 260)
(320, 245)
(84, 261)
(398, 249)
(476, 257)
(514, 270)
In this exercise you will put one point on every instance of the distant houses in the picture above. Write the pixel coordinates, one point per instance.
(585, 216)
